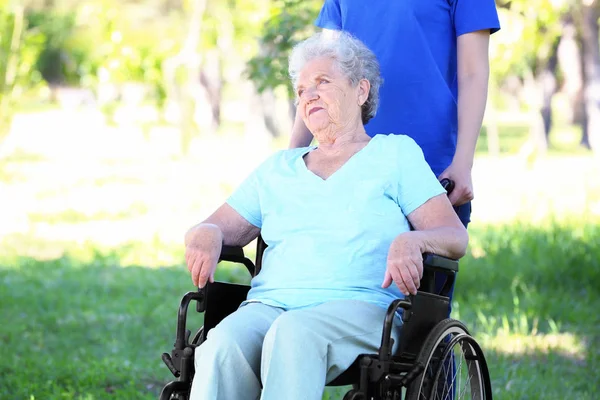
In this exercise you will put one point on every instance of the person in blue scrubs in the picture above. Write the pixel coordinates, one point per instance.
(435, 67)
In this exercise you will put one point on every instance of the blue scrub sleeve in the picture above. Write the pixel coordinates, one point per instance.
(475, 15)
(330, 16)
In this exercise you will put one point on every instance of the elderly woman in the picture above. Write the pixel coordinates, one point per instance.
(336, 218)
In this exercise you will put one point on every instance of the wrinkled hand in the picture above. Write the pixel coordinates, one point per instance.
(463, 184)
(405, 263)
(202, 254)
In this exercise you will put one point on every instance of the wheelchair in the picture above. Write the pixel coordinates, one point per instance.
(435, 353)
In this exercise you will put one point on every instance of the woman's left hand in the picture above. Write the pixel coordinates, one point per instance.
(405, 263)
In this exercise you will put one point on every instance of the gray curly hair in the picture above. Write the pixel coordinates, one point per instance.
(354, 59)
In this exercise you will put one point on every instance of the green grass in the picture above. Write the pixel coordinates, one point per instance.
(83, 326)
(528, 287)
(92, 323)
(563, 139)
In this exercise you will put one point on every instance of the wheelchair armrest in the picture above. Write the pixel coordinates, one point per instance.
(433, 263)
(440, 263)
(235, 254)
(231, 253)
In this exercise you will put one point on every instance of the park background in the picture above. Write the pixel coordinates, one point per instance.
(124, 122)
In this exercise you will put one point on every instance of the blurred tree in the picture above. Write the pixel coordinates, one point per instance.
(570, 59)
(182, 73)
(589, 15)
(289, 22)
(20, 46)
(527, 48)
(55, 62)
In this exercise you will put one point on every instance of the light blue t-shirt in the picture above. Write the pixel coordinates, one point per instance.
(329, 239)
(415, 42)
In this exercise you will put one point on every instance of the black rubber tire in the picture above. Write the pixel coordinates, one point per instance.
(175, 391)
(354, 395)
(433, 346)
(196, 339)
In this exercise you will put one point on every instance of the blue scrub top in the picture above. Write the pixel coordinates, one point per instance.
(415, 43)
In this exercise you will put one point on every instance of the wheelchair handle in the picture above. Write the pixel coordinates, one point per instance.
(385, 350)
(182, 336)
(448, 185)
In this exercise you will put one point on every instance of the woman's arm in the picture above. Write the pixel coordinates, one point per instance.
(203, 242)
(438, 230)
(234, 228)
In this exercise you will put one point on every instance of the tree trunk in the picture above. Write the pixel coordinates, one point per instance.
(537, 143)
(182, 94)
(9, 75)
(580, 113)
(549, 87)
(591, 67)
(570, 60)
(212, 82)
(491, 121)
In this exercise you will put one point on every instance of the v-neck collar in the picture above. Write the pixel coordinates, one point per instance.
(302, 163)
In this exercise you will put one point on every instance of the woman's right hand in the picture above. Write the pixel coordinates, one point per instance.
(203, 245)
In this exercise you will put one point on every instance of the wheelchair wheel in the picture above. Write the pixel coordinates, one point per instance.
(175, 391)
(197, 339)
(454, 366)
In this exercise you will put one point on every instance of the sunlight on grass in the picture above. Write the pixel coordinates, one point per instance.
(518, 344)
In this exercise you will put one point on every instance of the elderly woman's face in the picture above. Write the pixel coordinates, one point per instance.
(326, 97)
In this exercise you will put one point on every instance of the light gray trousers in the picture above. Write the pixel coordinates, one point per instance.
(293, 353)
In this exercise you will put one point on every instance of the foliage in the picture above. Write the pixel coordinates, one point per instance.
(529, 31)
(289, 22)
(123, 51)
(55, 62)
(20, 46)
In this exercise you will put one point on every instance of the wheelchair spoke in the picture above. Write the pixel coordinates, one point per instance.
(454, 383)
(466, 386)
(454, 366)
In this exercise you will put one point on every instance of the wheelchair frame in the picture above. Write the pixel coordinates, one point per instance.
(427, 336)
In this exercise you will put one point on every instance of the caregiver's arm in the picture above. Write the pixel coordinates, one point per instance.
(301, 136)
(473, 75)
(203, 242)
(437, 230)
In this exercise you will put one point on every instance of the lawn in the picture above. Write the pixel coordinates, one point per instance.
(89, 326)
(91, 269)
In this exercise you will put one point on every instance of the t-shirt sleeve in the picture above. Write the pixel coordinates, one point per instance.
(246, 198)
(330, 16)
(475, 15)
(417, 182)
